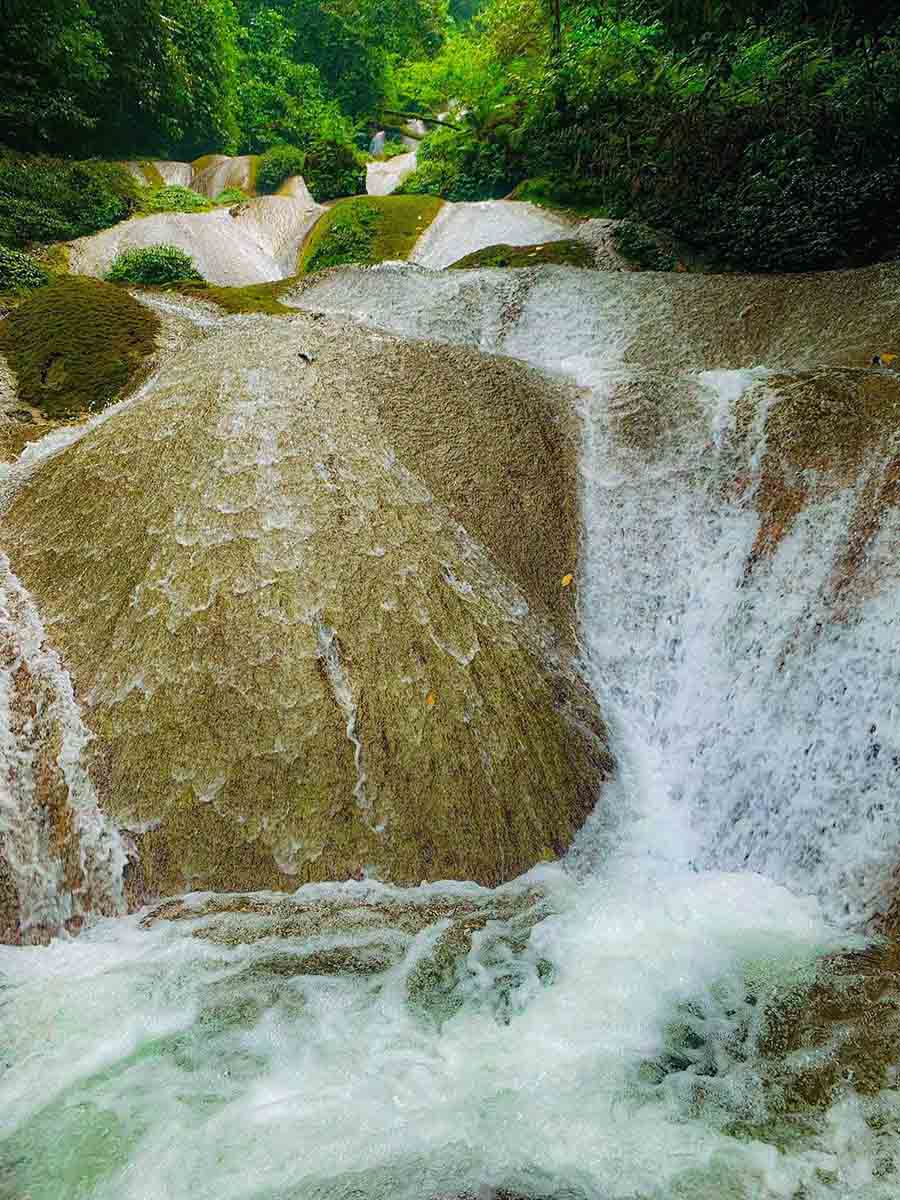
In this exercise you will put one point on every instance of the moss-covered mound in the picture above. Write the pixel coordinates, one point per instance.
(76, 345)
(297, 662)
(254, 298)
(569, 253)
(368, 230)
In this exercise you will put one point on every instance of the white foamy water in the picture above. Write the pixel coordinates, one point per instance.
(383, 178)
(594, 1031)
(66, 860)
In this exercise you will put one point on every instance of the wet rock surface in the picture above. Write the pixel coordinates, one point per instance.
(297, 662)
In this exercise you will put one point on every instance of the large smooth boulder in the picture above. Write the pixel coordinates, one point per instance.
(742, 508)
(296, 655)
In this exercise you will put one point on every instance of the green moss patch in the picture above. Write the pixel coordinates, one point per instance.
(254, 298)
(76, 345)
(151, 265)
(368, 230)
(569, 253)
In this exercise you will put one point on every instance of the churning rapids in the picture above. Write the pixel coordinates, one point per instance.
(597, 1029)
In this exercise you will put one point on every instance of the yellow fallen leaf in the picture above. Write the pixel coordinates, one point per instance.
(567, 580)
(431, 700)
(887, 359)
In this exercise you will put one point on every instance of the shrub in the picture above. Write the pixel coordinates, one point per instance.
(232, 195)
(393, 150)
(76, 344)
(641, 246)
(19, 273)
(334, 169)
(52, 200)
(174, 199)
(277, 165)
(460, 166)
(153, 265)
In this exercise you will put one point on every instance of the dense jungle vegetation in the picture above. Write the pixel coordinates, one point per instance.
(754, 136)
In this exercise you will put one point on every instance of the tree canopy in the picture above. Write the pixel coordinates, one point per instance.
(767, 132)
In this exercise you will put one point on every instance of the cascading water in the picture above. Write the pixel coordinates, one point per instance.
(601, 1028)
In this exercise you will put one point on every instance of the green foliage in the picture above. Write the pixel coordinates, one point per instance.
(568, 253)
(232, 195)
(119, 76)
(48, 199)
(368, 230)
(19, 272)
(461, 166)
(760, 137)
(76, 345)
(52, 61)
(277, 165)
(334, 169)
(566, 194)
(282, 101)
(152, 265)
(641, 246)
(393, 150)
(174, 199)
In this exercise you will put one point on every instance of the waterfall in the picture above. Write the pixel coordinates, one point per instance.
(764, 714)
(621, 1025)
(65, 858)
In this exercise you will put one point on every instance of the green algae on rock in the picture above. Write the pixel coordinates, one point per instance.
(253, 298)
(570, 253)
(76, 345)
(367, 230)
(296, 662)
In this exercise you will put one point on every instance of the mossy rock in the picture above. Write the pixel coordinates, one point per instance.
(568, 253)
(254, 298)
(367, 230)
(76, 345)
(296, 660)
